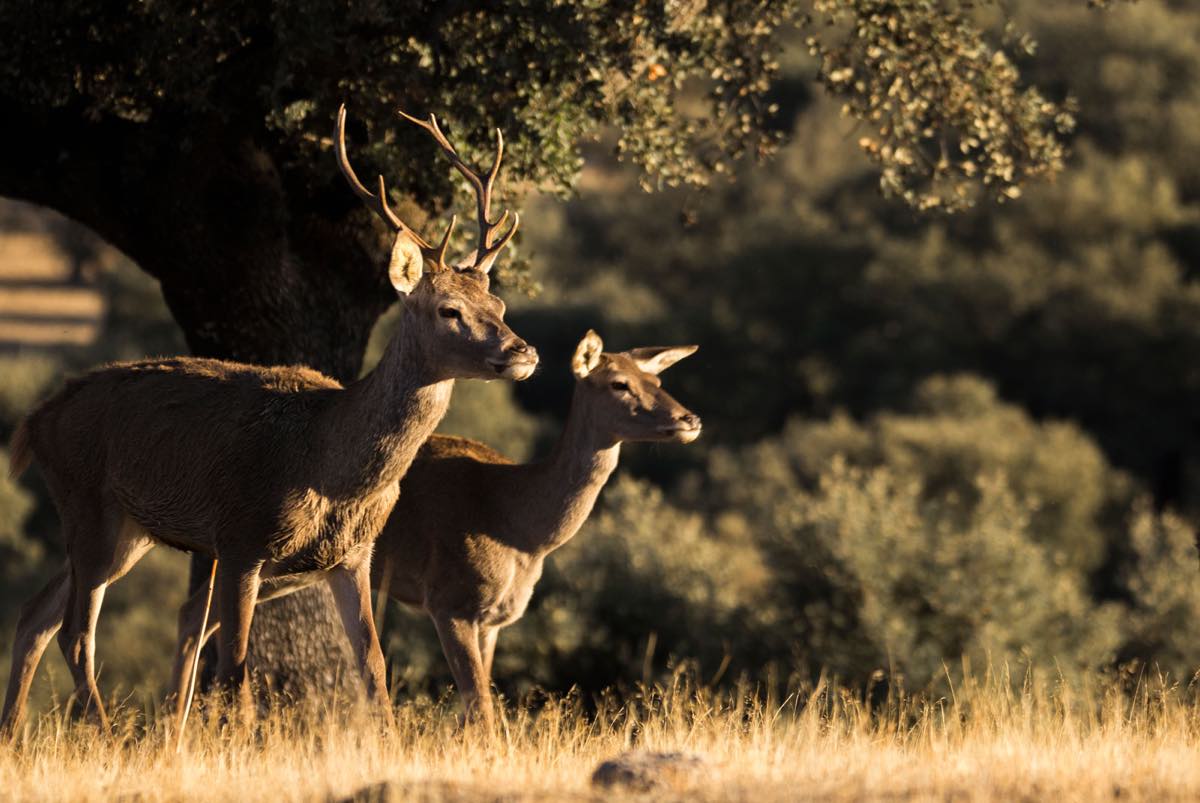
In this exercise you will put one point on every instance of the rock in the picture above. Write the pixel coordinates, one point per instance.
(642, 771)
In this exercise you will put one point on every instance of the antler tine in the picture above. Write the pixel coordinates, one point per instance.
(495, 171)
(484, 261)
(487, 249)
(376, 203)
(441, 249)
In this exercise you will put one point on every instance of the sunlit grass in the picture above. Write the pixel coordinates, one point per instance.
(989, 739)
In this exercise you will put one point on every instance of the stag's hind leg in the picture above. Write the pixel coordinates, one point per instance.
(95, 564)
(78, 642)
(40, 619)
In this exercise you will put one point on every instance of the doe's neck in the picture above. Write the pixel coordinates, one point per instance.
(560, 491)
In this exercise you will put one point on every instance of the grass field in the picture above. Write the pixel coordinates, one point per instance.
(984, 740)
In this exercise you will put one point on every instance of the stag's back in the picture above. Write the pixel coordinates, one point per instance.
(183, 445)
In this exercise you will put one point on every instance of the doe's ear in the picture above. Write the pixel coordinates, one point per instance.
(656, 359)
(587, 354)
(406, 264)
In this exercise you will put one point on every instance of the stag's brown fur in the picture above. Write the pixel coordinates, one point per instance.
(280, 473)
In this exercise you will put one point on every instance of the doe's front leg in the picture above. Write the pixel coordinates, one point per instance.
(460, 641)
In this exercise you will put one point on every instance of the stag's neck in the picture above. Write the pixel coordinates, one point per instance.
(372, 431)
(558, 493)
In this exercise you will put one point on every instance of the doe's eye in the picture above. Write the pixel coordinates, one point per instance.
(449, 312)
(620, 386)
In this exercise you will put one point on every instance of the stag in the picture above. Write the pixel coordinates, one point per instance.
(281, 474)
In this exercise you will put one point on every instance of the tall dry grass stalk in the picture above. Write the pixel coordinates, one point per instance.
(986, 740)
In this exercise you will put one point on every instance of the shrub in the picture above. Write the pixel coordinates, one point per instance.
(933, 586)
(1163, 591)
(641, 566)
(956, 430)
(961, 528)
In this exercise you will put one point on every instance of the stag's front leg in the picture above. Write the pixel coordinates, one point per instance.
(237, 583)
(460, 642)
(351, 586)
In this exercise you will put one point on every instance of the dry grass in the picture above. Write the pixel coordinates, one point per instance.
(982, 742)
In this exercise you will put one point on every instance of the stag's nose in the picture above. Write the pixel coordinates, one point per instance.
(520, 361)
(521, 353)
(688, 420)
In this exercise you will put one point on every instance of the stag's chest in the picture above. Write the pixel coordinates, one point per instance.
(318, 533)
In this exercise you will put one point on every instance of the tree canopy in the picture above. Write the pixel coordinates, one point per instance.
(685, 83)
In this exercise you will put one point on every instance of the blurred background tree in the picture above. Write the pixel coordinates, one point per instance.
(993, 396)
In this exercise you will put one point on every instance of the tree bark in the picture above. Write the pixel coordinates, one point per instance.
(254, 267)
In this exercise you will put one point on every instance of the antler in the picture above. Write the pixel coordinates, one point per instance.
(378, 203)
(490, 245)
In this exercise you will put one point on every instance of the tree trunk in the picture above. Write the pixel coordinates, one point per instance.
(252, 268)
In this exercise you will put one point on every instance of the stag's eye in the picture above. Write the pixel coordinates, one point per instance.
(450, 312)
(622, 386)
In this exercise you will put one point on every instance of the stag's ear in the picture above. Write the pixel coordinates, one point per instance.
(656, 359)
(406, 264)
(587, 354)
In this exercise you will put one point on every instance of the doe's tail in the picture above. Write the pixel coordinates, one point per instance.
(20, 450)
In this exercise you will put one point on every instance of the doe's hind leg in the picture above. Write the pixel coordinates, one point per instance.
(191, 614)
